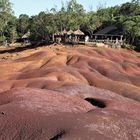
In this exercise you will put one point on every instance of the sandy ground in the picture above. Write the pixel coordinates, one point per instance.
(69, 92)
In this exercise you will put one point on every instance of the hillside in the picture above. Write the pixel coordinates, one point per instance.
(71, 93)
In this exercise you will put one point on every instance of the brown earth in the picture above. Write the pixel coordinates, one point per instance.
(70, 93)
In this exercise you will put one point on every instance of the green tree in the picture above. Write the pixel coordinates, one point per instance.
(6, 14)
(93, 21)
(6, 6)
(42, 26)
(132, 28)
(75, 14)
(74, 7)
(22, 24)
(130, 9)
(10, 30)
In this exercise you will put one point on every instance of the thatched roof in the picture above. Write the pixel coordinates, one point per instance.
(64, 32)
(25, 36)
(70, 32)
(57, 33)
(78, 32)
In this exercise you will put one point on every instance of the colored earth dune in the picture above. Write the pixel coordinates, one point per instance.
(70, 93)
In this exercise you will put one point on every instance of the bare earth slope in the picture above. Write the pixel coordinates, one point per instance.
(70, 93)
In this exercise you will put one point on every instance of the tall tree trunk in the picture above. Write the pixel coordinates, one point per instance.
(133, 39)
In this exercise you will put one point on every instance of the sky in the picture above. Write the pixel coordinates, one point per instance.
(33, 7)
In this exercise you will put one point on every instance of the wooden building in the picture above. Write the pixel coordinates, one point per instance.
(109, 34)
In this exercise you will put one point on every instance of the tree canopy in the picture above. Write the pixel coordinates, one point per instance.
(71, 15)
(7, 22)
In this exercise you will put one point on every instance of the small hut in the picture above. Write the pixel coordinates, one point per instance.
(78, 34)
(25, 37)
(70, 36)
(64, 32)
(70, 32)
(57, 37)
(60, 36)
(64, 35)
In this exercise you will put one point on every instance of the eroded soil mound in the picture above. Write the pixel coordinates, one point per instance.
(64, 92)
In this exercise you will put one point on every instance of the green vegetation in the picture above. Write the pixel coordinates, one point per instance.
(7, 22)
(71, 16)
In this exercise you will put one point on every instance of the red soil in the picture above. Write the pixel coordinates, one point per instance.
(70, 93)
